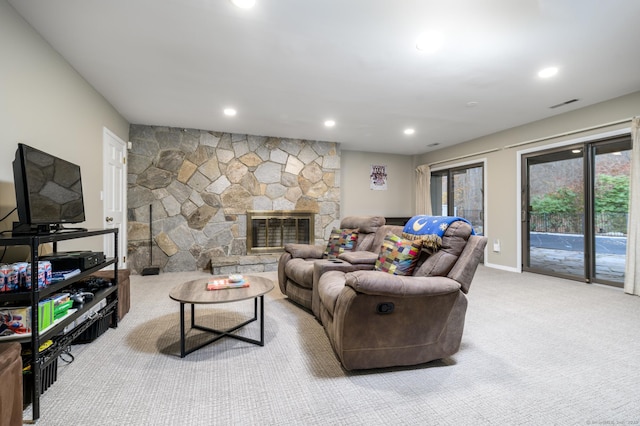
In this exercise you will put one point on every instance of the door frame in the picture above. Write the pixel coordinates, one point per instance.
(485, 195)
(519, 173)
(122, 233)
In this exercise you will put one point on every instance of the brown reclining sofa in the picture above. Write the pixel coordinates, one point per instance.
(375, 319)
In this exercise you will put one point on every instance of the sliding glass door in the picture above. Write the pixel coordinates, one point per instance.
(555, 205)
(575, 208)
(460, 192)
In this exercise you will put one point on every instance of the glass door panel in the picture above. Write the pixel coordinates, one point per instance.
(439, 193)
(554, 225)
(468, 196)
(460, 192)
(612, 165)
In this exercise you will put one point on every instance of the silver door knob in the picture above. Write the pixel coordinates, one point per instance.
(109, 219)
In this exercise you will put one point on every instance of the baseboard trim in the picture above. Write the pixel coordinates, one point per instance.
(502, 267)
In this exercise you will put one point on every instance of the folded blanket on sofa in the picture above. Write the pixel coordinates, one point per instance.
(430, 229)
(424, 225)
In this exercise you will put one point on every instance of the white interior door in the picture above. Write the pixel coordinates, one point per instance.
(114, 193)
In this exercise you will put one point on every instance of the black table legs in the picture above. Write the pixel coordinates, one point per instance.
(219, 334)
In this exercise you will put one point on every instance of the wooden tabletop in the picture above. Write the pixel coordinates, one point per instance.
(195, 291)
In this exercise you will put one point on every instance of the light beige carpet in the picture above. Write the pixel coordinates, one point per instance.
(536, 350)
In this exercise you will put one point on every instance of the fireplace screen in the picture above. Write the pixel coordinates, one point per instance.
(269, 231)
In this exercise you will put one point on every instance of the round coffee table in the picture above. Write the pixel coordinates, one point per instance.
(195, 292)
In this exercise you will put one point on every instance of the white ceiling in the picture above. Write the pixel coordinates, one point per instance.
(289, 65)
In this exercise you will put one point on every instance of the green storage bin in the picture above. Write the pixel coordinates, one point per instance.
(62, 309)
(45, 314)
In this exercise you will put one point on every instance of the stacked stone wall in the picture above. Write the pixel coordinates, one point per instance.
(201, 183)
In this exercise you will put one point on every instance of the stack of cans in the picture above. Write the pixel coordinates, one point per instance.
(17, 276)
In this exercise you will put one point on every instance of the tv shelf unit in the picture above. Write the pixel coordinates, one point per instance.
(32, 297)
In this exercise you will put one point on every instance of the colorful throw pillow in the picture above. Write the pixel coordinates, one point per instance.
(398, 256)
(341, 240)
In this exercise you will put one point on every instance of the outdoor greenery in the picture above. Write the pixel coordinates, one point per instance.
(563, 209)
(564, 200)
(612, 195)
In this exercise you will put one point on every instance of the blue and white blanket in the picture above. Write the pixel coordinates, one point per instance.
(431, 225)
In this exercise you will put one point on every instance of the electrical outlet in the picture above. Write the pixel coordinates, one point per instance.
(496, 245)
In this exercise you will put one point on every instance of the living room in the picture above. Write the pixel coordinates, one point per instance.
(49, 104)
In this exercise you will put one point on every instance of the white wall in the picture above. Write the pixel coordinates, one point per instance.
(358, 199)
(45, 103)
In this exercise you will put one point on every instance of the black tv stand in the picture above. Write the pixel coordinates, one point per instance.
(29, 229)
(41, 362)
(60, 228)
(42, 229)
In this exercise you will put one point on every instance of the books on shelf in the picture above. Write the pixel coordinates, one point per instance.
(222, 283)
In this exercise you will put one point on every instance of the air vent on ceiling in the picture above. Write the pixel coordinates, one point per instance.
(564, 103)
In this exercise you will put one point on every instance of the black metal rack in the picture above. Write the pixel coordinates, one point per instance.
(32, 297)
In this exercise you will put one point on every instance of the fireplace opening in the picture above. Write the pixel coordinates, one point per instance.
(269, 231)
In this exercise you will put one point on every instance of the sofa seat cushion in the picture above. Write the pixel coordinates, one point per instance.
(300, 271)
(330, 286)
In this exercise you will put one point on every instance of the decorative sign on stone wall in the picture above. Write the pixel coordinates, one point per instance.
(202, 183)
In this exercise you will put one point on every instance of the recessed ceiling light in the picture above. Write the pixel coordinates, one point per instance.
(329, 123)
(548, 72)
(244, 4)
(430, 41)
(230, 112)
(409, 131)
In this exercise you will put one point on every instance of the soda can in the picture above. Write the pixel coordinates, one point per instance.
(47, 272)
(27, 278)
(4, 270)
(42, 282)
(12, 281)
(40, 277)
(22, 273)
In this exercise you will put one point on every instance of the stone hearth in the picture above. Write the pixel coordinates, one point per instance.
(244, 264)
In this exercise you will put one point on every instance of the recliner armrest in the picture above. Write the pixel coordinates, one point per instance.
(359, 257)
(304, 251)
(384, 284)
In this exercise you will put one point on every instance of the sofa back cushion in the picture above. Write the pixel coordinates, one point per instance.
(367, 226)
(453, 242)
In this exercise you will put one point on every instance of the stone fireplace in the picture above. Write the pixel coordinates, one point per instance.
(268, 231)
(202, 184)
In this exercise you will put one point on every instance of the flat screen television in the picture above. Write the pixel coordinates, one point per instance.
(48, 191)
